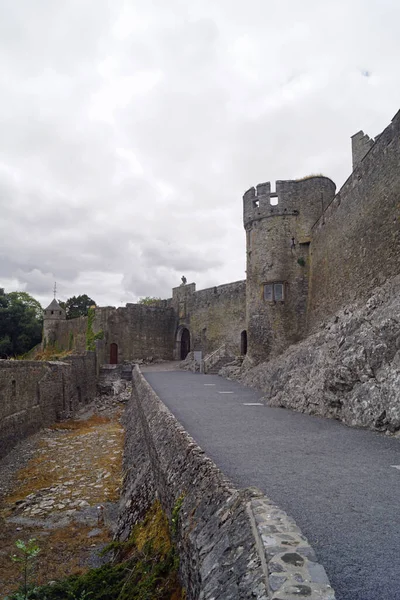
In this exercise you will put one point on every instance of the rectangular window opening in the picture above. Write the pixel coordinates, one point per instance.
(269, 292)
(274, 292)
(278, 292)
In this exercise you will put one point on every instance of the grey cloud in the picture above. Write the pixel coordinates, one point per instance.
(130, 130)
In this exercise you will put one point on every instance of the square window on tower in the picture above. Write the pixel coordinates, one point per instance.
(274, 292)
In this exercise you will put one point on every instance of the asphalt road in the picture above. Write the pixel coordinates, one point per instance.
(337, 482)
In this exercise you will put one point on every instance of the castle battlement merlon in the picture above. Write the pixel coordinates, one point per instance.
(292, 197)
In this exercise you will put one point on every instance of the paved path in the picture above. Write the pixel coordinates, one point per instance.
(337, 482)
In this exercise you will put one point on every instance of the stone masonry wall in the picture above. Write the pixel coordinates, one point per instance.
(277, 242)
(67, 334)
(356, 243)
(139, 331)
(34, 394)
(232, 544)
(214, 316)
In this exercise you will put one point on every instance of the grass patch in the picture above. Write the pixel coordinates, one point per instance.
(146, 569)
(311, 176)
(51, 353)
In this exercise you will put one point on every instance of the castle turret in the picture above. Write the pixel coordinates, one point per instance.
(278, 235)
(51, 317)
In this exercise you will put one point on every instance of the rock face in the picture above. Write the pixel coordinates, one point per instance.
(349, 370)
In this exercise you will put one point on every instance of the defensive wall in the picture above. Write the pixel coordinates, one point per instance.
(213, 316)
(66, 335)
(356, 242)
(232, 543)
(137, 331)
(35, 394)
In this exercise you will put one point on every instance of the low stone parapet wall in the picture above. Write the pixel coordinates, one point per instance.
(233, 544)
(34, 394)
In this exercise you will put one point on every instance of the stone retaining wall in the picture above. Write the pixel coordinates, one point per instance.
(233, 544)
(34, 394)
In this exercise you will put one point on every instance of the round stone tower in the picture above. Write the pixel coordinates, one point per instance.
(53, 314)
(278, 236)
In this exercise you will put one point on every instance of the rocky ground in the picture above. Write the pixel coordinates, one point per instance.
(61, 487)
(349, 370)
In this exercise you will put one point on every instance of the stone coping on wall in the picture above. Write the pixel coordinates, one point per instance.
(233, 544)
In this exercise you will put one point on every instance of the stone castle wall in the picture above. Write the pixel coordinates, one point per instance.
(214, 316)
(140, 331)
(356, 242)
(66, 335)
(34, 394)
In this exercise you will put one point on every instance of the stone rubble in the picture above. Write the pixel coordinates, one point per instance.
(63, 475)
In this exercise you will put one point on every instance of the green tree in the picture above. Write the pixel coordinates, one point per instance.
(28, 301)
(77, 306)
(21, 321)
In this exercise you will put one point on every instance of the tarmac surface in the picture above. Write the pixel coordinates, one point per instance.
(341, 484)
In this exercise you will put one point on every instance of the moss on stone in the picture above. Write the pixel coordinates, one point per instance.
(145, 568)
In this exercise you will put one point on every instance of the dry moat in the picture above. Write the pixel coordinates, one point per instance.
(65, 494)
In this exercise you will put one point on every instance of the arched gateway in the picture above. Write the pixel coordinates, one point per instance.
(182, 343)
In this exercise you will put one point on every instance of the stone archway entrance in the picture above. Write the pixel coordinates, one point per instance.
(113, 354)
(243, 343)
(185, 343)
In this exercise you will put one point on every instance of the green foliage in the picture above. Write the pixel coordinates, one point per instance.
(25, 557)
(28, 301)
(77, 306)
(301, 261)
(91, 337)
(175, 514)
(147, 569)
(311, 176)
(147, 575)
(21, 322)
(149, 300)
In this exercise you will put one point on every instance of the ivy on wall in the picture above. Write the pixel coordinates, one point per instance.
(91, 336)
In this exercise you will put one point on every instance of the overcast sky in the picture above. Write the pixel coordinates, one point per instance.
(130, 130)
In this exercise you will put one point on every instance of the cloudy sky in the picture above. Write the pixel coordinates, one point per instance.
(129, 130)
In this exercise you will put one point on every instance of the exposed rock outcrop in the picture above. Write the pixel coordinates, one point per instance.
(349, 370)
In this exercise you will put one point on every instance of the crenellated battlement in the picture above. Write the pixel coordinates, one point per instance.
(290, 198)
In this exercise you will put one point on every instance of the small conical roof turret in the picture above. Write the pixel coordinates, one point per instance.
(54, 311)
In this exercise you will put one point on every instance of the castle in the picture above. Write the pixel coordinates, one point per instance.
(310, 251)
